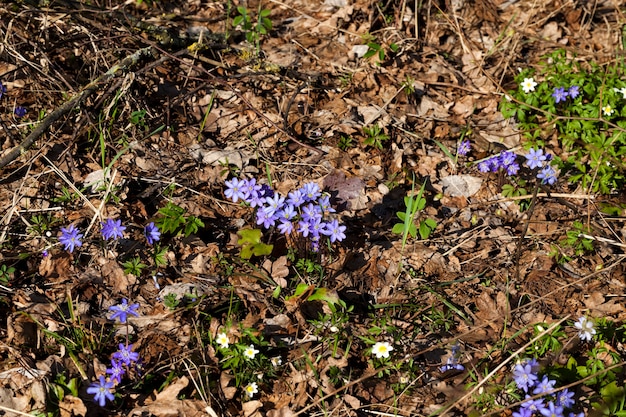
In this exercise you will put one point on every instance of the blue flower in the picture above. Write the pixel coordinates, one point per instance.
(552, 410)
(574, 91)
(235, 190)
(524, 376)
(112, 229)
(544, 386)
(274, 204)
(334, 231)
(310, 191)
(547, 175)
(151, 232)
(116, 371)
(483, 166)
(70, 237)
(287, 213)
(535, 158)
(317, 227)
(126, 355)
(265, 217)
(565, 398)
(295, 198)
(252, 191)
(3, 89)
(121, 311)
(464, 148)
(304, 228)
(324, 203)
(559, 94)
(512, 169)
(266, 191)
(20, 111)
(311, 212)
(101, 390)
(506, 158)
(285, 227)
(533, 405)
(522, 412)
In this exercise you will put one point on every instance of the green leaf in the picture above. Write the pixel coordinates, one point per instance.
(251, 244)
(398, 228)
(323, 294)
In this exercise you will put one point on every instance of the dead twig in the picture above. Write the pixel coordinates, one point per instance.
(92, 87)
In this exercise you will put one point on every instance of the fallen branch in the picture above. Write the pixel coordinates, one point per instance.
(89, 89)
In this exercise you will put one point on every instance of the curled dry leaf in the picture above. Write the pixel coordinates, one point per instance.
(347, 192)
(461, 185)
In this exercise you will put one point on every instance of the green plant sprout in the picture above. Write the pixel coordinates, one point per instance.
(407, 226)
(253, 30)
(134, 266)
(174, 221)
(5, 274)
(345, 142)
(374, 136)
(376, 49)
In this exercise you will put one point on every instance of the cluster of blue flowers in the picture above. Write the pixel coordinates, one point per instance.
(561, 94)
(121, 361)
(552, 404)
(505, 160)
(302, 211)
(111, 229)
(535, 159)
(19, 110)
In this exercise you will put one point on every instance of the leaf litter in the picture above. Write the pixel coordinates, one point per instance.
(322, 95)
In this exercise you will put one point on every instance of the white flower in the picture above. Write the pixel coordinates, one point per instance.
(607, 110)
(620, 90)
(528, 85)
(585, 328)
(250, 352)
(222, 340)
(251, 389)
(276, 361)
(381, 349)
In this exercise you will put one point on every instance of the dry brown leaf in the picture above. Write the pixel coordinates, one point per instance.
(598, 307)
(72, 407)
(228, 390)
(251, 408)
(167, 404)
(114, 276)
(281, 412)
(278, 270)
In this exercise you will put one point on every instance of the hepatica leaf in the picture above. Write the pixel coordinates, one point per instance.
(251, 245)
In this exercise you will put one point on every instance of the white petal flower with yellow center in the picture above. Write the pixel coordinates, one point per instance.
(585, 328)
(607, 110)
(381, 349)
(250, 352)
(528, 85)
(222, 340)
(251, 389)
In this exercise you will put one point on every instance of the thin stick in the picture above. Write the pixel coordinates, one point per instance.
(124, 64)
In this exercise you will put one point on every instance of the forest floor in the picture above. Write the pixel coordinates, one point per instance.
(369, 100)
